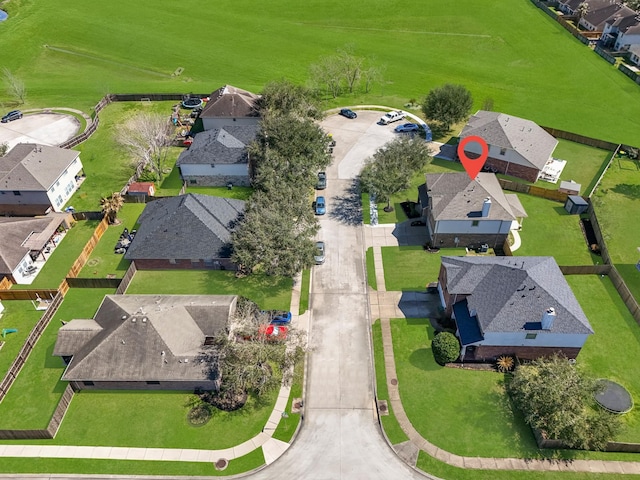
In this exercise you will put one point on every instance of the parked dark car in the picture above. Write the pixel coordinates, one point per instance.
(345, 112)
(321, 184)
(11, 116)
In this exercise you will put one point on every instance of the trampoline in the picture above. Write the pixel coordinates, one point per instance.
(3, 15)
(192, 102)
(614, 397)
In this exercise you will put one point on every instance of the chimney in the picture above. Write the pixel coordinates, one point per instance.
(548, 317)
(486, 206)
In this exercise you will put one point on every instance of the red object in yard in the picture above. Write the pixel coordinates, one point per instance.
(187, 141)
(273, 332)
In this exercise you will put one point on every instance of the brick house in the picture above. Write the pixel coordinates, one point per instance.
(218, 157)
(145, 342)
(519, 306)
(35, 179)
(459, 211)
(517, 147)
(191, 231)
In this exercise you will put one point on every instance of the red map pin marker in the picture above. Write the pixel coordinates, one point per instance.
(473, 165)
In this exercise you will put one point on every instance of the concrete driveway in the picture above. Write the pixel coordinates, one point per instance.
(340, 438)
(43, 128)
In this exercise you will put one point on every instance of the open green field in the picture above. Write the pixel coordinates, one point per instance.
(103, 261)
(482, 421)
(412, 268)
(35, 394)
(617, 202)
(70, 55)
(21, 315)
(60, 261)
(550, 230)
(270, 293)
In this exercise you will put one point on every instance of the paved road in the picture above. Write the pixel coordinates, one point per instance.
(341, 438)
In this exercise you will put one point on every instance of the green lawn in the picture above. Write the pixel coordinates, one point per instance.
(46, 45)
(37, 390)
(21, 315)
(239, 193)
(155, 420)
(550, 230)
(615, 331)
(268, 292)
(102, 260)
(243, 464)
(389, 422)
(304, 291)
(616, 201)
(60, 261)
(371, 269)
(412, 268)
(287, 427)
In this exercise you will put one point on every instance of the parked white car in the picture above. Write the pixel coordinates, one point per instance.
(391, 117)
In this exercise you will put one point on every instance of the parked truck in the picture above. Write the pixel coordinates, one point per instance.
(391, 117)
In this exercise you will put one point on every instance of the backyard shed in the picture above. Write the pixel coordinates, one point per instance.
(576, 205)
(570, 187)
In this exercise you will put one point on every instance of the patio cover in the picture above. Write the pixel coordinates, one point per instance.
(37, 240)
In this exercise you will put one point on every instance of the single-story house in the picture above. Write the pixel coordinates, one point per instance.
(519, 306)
(142, 189)
(218, 157)
(35, 179)
(517, 147)
(25, 240)
(230, 106)
(191, 231)
(145, 342)
(459, 211)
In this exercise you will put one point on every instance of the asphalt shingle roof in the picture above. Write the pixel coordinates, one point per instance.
(231, 102)
(511, 293)
(533, 144)
(220, 146)
(28, 166)
(456, 197)
(164, 343)
(191, 226)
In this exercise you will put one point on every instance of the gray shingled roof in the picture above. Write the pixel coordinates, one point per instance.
(456, 197)
(600, 11)
(225, 145)
(532, 143)
(510, 292)
(19, 235)
(113, 347)
(28, 166)
(191, 226)
(231, 102)
(624, 19)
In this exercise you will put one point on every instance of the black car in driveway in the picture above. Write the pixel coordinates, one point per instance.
(345, 112)
(11, 116)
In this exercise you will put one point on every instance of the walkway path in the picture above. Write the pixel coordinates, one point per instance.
(382, 307)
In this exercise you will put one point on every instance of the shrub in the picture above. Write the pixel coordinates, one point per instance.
(445, 348)
(505, 363)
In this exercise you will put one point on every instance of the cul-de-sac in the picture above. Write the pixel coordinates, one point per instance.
(330, 240)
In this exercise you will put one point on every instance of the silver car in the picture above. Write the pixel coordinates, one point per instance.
(319, 256)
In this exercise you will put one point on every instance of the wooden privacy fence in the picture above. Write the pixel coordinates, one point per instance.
(28, 294)
(88, 248)
(54, 423)
(577, 138)
(532, 190)
(5, 283)
(29, 343)
(76, 282)
(126, 279)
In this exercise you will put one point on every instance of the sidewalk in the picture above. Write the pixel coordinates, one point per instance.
(272, 448)
(384, 306)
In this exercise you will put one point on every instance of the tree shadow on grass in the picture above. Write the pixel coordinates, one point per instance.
(422, 358)
(347, 208)
(630, 191)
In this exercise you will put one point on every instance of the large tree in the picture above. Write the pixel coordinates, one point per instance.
(286, 98)
(557, 398)
(447, 104)
(14, 85)
(391, 168)
(147, 137)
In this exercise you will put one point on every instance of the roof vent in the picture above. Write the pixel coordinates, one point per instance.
(122, 341)
(124, 317)
(144, 320)
(133, 320)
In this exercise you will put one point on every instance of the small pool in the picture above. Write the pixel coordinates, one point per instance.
(3, 15)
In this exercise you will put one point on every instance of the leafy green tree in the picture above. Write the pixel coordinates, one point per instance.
(4, 148)
(556, 398)
(581, 12)
(447, 104)
(286, 98)
(445, 347)
(392, 167)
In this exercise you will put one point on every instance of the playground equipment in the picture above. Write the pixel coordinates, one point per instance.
(8, 330)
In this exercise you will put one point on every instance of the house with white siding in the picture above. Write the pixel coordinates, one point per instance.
(520, 306)
(230, 106)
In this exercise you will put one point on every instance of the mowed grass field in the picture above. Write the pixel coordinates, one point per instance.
(71, 54)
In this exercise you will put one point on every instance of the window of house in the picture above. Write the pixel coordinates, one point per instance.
(192, 181)
(172, 261)
(17, 192)
(88, 384)
(208, 340)
(503, 151)
(475, 223)
(151, 382)
(531, 336)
